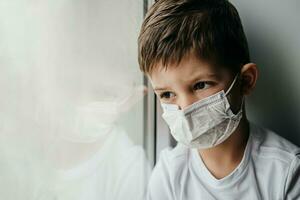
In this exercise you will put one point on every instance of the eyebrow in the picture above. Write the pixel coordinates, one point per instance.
(193, 80)
(157, 88)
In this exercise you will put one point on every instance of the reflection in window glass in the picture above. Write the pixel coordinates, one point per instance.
(71, 119)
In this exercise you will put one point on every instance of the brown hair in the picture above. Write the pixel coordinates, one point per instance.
(211, 28)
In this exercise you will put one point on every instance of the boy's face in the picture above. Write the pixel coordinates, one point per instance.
(191, 80)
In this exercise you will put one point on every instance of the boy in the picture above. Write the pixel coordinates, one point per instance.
(196, 57)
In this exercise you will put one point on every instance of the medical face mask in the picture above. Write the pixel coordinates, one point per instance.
(205, 123)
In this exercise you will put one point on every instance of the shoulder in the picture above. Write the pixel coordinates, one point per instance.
(166, 173)
(270, 145)
(174, 159)
(174, 155)
(278, 157)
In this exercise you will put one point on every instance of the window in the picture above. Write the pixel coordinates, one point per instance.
(76, 122)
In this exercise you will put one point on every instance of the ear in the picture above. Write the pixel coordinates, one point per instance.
(249, 75)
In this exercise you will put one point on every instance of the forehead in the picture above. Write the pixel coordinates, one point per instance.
(189, 68)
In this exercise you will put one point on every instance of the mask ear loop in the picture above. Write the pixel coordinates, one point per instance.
(232, 84)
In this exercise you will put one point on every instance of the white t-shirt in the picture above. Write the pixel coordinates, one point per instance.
(269, 170)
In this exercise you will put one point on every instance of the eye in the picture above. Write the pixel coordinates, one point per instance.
(202, 85)
(166, 95)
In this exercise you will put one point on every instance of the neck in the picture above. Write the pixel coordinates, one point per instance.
(225, 157)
